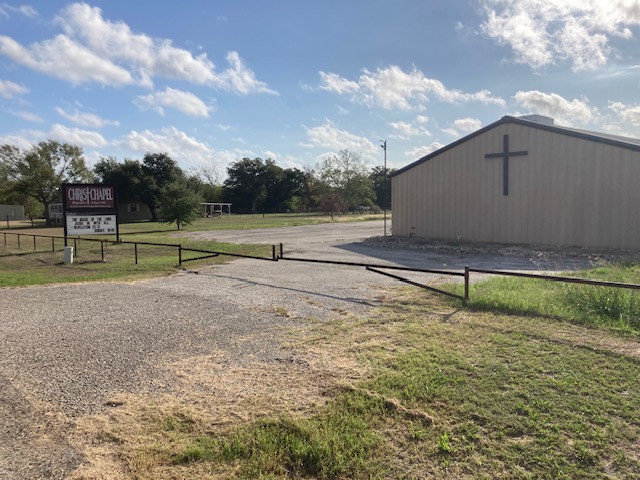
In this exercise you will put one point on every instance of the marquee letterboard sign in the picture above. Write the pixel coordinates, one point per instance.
(90, 209)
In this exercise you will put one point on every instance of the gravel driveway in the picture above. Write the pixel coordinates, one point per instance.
(65, 350)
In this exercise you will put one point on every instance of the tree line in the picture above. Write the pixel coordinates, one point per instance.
(340, 183)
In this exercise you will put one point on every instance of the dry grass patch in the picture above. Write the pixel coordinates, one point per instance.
(141, 435)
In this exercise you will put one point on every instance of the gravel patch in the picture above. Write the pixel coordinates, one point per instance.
(538, 253)
(67, 350)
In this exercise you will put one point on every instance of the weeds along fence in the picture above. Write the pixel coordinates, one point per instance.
(48, 243)
(466, 275)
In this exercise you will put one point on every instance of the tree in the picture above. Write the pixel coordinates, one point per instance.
(179, 204)
(332, 202)
(246, 183)
(207, 181)
(8, 154)
(347, 173)
(159, 170)
(381, 185)
(310, 190)
(40, 171)
(127, 177)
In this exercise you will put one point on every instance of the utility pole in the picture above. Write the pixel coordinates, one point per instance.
(384, 189)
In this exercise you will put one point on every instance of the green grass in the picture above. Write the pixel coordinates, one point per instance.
(453, 395)
(584, 304)
(233, 222)
(339, 443)
(23, 265)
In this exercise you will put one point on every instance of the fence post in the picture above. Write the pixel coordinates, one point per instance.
(5, 239)
(135, 250)
(273, 253)
(18, 241)
(180, 255)
(281, 250)
(34, 243)
(102, 249)
(466, 283)
(75, 247)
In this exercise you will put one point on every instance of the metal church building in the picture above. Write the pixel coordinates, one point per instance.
(523, 180)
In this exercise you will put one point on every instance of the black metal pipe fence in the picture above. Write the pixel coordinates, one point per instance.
(277, 255)
(179, 247)
(466, 274)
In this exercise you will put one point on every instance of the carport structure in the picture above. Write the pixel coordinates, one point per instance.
(215, 209)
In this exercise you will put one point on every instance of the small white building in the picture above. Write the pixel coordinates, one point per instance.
(524, 181)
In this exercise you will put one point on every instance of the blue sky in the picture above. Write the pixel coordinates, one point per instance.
(210, 82)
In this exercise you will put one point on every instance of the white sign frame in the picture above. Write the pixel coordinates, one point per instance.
(91, 224)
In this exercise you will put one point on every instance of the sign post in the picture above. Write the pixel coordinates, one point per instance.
(90, 209)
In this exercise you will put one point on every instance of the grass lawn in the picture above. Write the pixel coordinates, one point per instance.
(27, 265)
(232, 222)
(442, 393)
(588, 305)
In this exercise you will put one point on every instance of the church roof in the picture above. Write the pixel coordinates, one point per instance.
(608, 139)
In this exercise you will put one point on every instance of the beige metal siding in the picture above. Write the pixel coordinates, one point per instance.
(566, 191)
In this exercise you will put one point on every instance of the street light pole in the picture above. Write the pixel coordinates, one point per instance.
(384, 185)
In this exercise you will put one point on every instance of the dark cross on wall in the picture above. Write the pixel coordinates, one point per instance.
(505, 154)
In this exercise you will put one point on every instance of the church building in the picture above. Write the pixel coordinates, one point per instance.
(524, 180)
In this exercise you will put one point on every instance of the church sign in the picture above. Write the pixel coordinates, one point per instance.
(89, 196)
(90, 209)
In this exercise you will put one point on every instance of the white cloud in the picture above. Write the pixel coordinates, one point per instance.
(177, 144)
(545, 32)
(451, 132)
(10, 89)
(463, 125)
(117, 47)
(26, 10)
(572, 113)
(467, 124)
(629, 114)
(65, 59)
(422, 119)
(329, 137)
(76, 136)
(420, 152)
(404, 130)
(85, 119)
(28, 116)
(23, 139)
(186, 102)
(393, 88)
(333, 82)
(224, 128)
(240, 79)
(92, 157)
